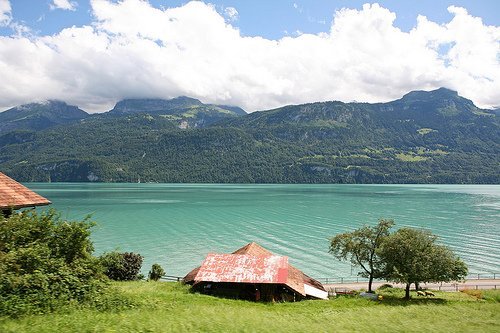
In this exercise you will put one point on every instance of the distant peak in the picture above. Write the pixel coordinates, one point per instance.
(186, 99)
(445, 90)
(422, 95)
(152, 104)
(47, 102)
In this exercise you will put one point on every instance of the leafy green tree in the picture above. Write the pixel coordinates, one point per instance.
(360, 247)
(122, 266)
(46, 263)
(412, 256)
(156, 272)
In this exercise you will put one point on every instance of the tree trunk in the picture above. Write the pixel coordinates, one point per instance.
(370, 281)
(417, 287)
(407, 293)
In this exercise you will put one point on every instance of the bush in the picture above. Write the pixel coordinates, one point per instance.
(492, 295)
(156, 272)
(385, 286)
(121, 266)
(473, 292)
(46, 263)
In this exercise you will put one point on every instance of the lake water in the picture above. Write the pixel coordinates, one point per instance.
(176, 225)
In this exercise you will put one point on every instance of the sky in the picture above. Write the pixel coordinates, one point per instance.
(257, 54)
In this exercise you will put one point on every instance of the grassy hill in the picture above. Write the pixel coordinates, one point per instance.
(169, 307)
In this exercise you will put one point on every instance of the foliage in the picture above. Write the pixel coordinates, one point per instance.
(385, 286)
(360, 247)
(491, 295)
(474, 292)
(170, 307)
(121, 266)
(411, 256)
(156, 272)
(46, 263)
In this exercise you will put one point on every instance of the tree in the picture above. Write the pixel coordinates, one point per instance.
(412, 256)
(156, 272)
(46, 263)
(360, 247)
(122, 266)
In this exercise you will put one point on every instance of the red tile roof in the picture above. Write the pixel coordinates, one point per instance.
(15, 195)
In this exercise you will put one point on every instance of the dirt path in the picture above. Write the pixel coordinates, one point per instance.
(452, 286)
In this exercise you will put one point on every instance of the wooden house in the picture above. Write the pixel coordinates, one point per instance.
(253, 273)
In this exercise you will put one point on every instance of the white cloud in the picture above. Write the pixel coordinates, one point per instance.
(135, 50)
(231, 13)
(5, 13)
(298, 8)
(63, 4)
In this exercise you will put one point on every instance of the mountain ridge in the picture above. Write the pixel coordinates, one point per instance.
(424, 137)
(41, 115)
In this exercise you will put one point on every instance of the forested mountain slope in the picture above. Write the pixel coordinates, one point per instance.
(424, 137)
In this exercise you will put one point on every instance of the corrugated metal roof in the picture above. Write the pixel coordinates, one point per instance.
(296, 276)
(14, 195)
(248, 265)
(243, 268)
(253, 249)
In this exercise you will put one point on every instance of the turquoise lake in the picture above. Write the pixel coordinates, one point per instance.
(176, 225)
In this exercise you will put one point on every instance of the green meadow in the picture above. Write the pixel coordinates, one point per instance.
(170, 307)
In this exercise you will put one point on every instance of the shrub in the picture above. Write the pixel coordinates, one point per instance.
(156, 272)
(473, 292)
(121, 266)
(385, 286)
(492, 295)
(46, 263)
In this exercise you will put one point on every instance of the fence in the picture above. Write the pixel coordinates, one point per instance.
(172, 278)
(460, 287)
(357, 279)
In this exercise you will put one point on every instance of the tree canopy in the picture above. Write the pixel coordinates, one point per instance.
(405, 256)
(360, 247)
(412, 256)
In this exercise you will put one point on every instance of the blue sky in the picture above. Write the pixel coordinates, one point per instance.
(255, 54)
(270, 19)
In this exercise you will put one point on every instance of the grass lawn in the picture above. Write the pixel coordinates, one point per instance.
(169, 307)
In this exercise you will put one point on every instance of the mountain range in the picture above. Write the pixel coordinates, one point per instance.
(424, 137)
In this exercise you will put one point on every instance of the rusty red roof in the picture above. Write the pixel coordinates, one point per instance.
(14, 195)
(253, 249)
(243, 268)
(247, 265)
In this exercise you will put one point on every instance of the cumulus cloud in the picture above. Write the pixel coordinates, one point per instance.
(63, 4)
(135, 50)
(231, 13)
(5, 13)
